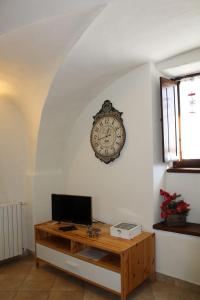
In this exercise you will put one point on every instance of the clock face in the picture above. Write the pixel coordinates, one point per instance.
(107, 137)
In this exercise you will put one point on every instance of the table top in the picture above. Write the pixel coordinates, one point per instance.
(104, 241)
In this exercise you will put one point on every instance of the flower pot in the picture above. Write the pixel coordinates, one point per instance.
(176, 220)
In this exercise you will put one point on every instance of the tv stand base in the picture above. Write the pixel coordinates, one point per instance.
(125, 265)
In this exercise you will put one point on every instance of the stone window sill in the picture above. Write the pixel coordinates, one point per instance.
(188, 229)
(183, 170)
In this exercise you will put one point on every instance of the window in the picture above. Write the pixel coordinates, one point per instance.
(180, 104)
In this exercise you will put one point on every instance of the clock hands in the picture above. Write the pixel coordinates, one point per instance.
(103, 137)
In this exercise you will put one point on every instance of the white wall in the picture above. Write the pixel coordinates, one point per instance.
(122, 190)
(176, 255)
(13, 153)
(158, 167)
(128, 188)
(15, 183)
(188, 185)
(181, 252)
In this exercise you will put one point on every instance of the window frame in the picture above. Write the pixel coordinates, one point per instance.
(180, 165)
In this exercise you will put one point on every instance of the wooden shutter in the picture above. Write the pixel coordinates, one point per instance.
(169, 119)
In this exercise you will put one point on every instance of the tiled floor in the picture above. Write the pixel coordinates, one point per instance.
(21, 280)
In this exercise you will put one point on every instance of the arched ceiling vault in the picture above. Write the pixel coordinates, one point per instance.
(57, 55)
(22, 13)
(126, 34)
(31, 55)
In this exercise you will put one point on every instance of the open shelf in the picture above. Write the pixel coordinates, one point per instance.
(108, 260)
(189, 228)
(53, 241)
(111, 261)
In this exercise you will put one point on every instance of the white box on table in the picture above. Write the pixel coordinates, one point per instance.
(125, 230)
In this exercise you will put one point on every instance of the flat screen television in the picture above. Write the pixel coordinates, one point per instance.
(72, 209)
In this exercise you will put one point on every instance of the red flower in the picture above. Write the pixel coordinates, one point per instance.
(174, 196)
(163, 193)
(163, 215)
(170, 206)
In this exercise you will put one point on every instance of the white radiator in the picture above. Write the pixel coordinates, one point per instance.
(11, 231)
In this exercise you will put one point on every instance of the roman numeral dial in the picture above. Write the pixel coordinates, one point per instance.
(108, 135)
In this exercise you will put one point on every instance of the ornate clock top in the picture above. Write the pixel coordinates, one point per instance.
(107, 108)
(108, 133)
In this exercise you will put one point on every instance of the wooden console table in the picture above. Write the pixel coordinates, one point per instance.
(124, 264)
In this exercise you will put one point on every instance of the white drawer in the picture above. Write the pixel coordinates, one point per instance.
(102, 276)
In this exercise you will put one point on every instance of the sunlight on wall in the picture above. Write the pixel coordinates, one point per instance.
(6, 88)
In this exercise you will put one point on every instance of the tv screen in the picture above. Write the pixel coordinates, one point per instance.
(72, 209)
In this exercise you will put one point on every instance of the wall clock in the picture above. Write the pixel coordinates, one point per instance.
(108, 133)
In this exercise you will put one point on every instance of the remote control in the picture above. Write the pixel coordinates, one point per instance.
(68, 228)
